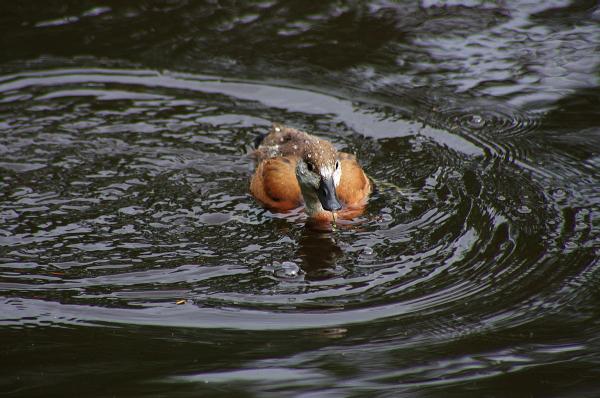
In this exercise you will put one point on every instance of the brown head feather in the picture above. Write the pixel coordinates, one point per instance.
(287, 141)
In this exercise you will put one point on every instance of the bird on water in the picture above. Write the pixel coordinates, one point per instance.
(295, 168)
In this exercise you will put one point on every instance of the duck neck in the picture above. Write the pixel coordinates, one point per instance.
(312, 204)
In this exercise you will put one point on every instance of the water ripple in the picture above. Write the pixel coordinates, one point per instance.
(130, 206)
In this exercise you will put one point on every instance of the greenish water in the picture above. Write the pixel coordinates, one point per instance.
(134, 262)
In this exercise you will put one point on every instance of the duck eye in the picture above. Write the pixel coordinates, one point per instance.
(310, 166)
(337, 164)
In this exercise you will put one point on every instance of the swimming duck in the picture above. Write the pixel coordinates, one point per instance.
(296, 168)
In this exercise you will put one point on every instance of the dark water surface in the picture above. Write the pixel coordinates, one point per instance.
(133, 261)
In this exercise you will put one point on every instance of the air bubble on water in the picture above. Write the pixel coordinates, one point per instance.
(570, 246)
(288, 270)
(385, 217)
(559, 194)
(476, 121)
(524, 210)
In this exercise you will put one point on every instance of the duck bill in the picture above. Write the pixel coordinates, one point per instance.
(327, 195)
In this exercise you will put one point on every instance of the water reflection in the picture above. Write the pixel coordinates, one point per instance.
(319, 252)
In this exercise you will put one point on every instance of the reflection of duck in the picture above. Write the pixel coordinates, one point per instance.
(319, 252)
(295, 167)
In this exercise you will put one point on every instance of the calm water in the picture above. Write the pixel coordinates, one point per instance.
(133, 261)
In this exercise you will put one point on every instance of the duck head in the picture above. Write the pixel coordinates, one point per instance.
(318, 172)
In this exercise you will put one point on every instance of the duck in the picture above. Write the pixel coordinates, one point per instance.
(297, 169)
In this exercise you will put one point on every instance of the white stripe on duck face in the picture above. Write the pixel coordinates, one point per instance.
(328, 172)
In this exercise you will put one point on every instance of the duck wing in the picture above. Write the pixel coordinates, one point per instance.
(354, 187)
(275, 185)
